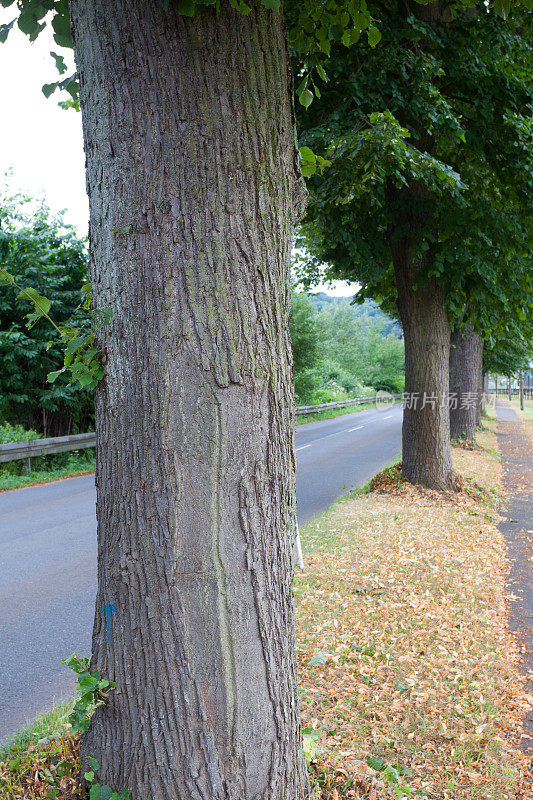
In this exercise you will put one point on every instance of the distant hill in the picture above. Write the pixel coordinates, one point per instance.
(367, 309)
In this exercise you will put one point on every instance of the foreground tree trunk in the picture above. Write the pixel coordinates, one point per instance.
(466, 382)
(426, 451)
(194, 191)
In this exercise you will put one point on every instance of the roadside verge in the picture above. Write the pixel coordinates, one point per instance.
(409, 676)
(409, 679)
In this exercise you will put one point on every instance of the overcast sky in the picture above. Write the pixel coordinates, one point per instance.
(39, 141)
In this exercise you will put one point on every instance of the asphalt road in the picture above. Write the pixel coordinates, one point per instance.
(48, 555)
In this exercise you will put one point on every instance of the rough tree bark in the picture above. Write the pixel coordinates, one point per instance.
(466, 382)
(426, 451)
(194, 191)
(483, 390)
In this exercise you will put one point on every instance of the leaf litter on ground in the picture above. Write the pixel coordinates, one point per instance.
(408, 673)
(404, 593)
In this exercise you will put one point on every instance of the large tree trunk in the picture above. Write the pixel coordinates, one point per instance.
(466, 382)
(426, 452)
(194, 191)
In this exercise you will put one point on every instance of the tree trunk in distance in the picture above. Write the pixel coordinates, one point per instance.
(194, 189)
(484, 391)
(521, 389)
(480, 405)
(510, 390)
(466, 379)
(426, 451)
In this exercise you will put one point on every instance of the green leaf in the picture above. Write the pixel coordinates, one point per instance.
(306, 98)
(29, 24)
(377, 763)
(362, 20)
(399, 687)
(89, 776)
(99, 792)
(87, 380)
(62, 34)
(187, 7)
(310, 744)
(6, 279)
(317, 661)
(274, 5)
(406, 771)
(88, 684)
(53, 376)
(60, 62)
(302, 85)
(93, 763)
(306, 154)
(374, 36)
(5, 30)
(48, 89)
(42, 304)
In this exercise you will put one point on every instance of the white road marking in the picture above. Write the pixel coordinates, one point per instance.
(344, 430)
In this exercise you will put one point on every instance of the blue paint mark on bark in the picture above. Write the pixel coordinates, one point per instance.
(109, 609)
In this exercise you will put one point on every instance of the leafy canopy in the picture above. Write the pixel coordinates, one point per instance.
(314, 27)
(429, 135)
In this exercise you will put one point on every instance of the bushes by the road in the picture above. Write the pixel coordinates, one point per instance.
(342, 350)
(339, 350)
(43, 468)
(40, 251)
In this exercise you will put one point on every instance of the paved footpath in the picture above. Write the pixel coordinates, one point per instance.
(517, 462)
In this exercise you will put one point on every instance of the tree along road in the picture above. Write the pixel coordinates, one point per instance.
(48, 555)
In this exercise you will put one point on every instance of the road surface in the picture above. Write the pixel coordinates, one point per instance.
(48, 555)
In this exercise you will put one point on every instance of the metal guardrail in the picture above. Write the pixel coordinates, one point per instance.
(40, 447)
(81, 441)
(355, 401)
(528, 392)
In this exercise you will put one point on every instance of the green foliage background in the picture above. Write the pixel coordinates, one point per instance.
(342, 350)
(40, 251)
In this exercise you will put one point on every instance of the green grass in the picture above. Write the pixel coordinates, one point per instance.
(46, 468)
(528, 408)
(50, 724)
(316, 534)
(330, 413)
